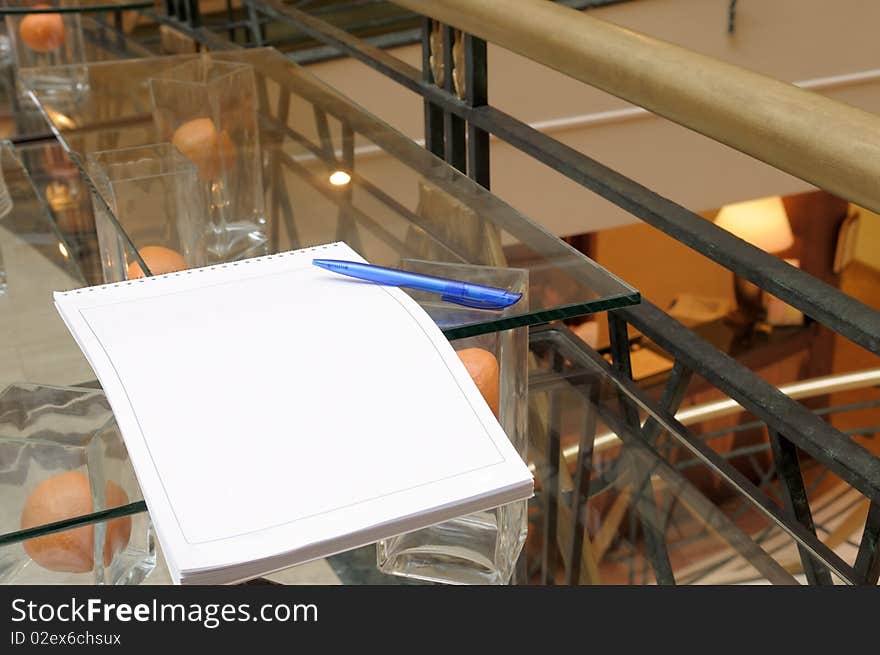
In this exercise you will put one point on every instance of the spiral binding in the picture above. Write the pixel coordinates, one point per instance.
(201, 269)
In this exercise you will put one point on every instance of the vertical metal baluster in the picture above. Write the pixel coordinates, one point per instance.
(274, 174)
(101, 19)
(349, 230)
(581, 491)
(254, 21)
(868, 560)
(120, 36)
(455, 146)
(794, 497)
(643, 489)
(288, 216)
(194, 15)
(731, 17)
(344, 224)
(477, 95)
(181, 10)
(323, 128)
(348, 147)
(281, 198)
(550, 479)
(229, 19)
(433, 113)
(673, 394)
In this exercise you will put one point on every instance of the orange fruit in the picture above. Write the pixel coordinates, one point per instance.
(199, 142)
(483, 369)
(42, 32)
(159, 260)
(65, 496)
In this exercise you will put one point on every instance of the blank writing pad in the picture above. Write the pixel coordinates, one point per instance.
(275, 412)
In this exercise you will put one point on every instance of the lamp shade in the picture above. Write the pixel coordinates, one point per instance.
(762, 222)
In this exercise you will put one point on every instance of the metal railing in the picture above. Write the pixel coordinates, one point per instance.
(829, 144)
(643, 465)
(801, 390)
(380, 22)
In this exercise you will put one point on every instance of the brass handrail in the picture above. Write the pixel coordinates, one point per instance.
(827, 143)
(801, 390)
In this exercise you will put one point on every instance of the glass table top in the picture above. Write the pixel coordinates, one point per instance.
(45, 246)
(400, 203)
(70, 6)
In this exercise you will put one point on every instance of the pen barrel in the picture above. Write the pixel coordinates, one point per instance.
(457, 289)
(420, 282)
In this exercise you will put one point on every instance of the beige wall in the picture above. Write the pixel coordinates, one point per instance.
(793, 40)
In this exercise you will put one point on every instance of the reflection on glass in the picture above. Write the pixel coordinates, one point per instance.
(207, 109)
(400, 202)
(48, 52)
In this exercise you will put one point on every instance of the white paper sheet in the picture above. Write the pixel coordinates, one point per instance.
(275, 412)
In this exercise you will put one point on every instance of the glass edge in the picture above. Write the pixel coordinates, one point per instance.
(135, 507)
(86, 9)
(86, 177)
(541, 316)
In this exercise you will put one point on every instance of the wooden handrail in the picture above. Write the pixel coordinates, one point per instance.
(827, 143)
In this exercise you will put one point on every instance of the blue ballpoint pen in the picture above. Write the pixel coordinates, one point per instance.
(454, 291)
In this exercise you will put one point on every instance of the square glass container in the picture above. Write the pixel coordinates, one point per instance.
(207, 109)
(480, 548)
(151, 196)
(62, 456)
(42, 43)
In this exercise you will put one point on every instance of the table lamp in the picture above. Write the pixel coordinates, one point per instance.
(764, 224)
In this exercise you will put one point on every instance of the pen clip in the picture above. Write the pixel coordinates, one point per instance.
(476, 304)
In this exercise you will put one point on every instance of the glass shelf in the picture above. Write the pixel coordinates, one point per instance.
(401, 203)
(71, 6)
(46, 244)
(20, 120)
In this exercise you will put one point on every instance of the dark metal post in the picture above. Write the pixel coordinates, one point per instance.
(581, 491)
(643, 489)
(433, 113)
(455, 149)
(673, 394)
(868, 559)
(794, 496)
(120, 34)
(550, 481)
(256, 28)
(193, 13)
(477, 95)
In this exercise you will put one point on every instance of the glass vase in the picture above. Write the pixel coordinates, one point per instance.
(480, 548)
(207, 109)
(149, 202)
(48, 51)
(62, 456)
